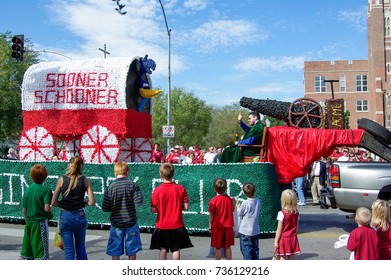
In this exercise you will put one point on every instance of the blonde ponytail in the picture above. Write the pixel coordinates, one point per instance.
(74, 170)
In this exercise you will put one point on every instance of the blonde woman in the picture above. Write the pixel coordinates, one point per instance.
(286, 242)
(381, 222)
(73, 186)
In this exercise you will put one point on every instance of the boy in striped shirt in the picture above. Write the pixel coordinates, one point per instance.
(120, 199)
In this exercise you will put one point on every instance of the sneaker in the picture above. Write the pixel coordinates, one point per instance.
(301, 203)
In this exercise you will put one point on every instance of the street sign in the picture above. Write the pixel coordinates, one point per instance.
(168, 131)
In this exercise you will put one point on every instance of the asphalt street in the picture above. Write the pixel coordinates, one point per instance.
(318, 231)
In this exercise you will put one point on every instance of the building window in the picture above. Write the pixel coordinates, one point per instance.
(342, 83)
(320, 84)
(361, 83)
(388, 121)
(388, 100)
(362, 106)
(387, 23)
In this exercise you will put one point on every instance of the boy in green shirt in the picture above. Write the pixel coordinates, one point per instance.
(37, 212)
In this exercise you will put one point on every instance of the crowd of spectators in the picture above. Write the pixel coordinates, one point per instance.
(351, 154)
(182, 155)
(195, 155)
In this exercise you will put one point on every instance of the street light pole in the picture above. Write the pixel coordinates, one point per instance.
(45, 51)
(169, 74)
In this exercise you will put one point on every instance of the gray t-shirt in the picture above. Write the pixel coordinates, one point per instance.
(248, 214)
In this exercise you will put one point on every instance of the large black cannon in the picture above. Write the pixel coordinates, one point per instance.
(302, 113)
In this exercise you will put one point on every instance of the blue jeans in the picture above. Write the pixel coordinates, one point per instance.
(73, 233)
(249, 246)
(299, 188)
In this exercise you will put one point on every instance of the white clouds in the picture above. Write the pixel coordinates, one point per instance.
(168, 4)
(358, 19)
(223, 33)
(92, 19)
(281, 88)
(196, 5)
(137, 33)
(142, 30)
(257, 64)
(287, 91)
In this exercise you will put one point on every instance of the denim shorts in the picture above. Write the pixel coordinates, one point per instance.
(120, 238)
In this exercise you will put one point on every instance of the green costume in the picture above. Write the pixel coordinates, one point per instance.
(36, 232)
(232, 153)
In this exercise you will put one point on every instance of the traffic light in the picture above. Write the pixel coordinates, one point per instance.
(18, 47)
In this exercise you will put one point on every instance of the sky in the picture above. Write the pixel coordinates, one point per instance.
(221, 50)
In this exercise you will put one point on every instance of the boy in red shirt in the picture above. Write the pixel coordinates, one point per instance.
(168, 200)
(363, 239)
(221, 220)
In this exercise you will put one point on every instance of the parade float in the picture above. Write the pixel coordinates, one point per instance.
(101, 110)
(98, 108)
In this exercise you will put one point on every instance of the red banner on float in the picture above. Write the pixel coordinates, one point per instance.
(68, 123)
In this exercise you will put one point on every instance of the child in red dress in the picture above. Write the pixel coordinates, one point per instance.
(363, 239)
(221, 220)
(381, 222)
(286, 242)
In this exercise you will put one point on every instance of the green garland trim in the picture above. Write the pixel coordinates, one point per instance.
(197, 179)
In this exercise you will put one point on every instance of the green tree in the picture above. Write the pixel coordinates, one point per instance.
(347, 119)
(189, 114)
(274, 122)
(11, 77)
(224, 127)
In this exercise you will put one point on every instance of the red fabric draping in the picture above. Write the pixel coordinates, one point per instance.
(292, 150)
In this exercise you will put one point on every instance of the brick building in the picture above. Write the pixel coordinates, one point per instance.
(363, 84)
